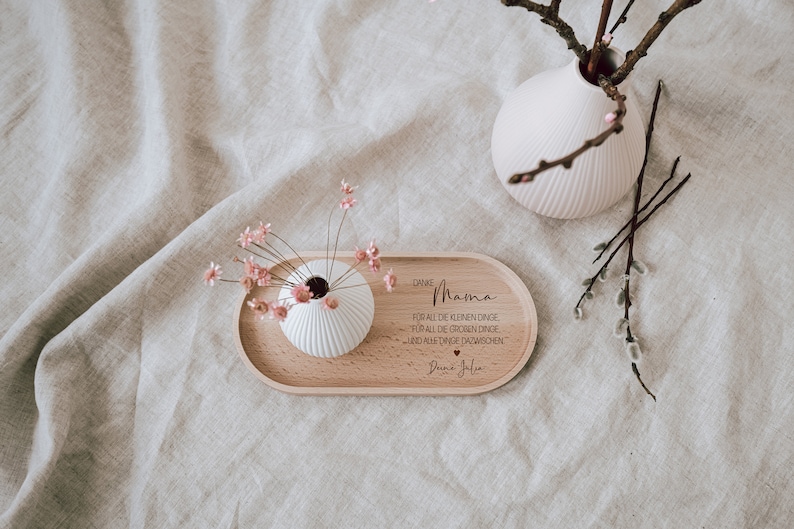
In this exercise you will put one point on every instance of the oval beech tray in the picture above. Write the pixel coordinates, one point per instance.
(456, 324)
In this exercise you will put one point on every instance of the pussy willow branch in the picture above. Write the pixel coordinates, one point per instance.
(626, 238)
(637, 374)
(567, 161)
(598, 45)
(635, 212)
(637, 195)
(549, 15)
(643, 208)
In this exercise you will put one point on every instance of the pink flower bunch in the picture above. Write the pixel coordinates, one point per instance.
(371, 254)
(257, 236)
(260, 307)
(255, 274)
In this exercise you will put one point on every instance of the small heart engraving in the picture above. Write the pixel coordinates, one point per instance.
(456, 351)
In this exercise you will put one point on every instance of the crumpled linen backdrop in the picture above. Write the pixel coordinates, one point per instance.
(139, 138)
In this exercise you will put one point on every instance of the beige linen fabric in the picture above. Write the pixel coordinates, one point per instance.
(139, 138)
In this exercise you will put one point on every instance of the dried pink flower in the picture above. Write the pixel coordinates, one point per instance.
(260, 233)
(611, 117)
(263, 276)
(212, 274)
(246, 238)
(606, 38)
(347, 188)
(348, 202)
(278, 312)
(374, 265)
(250, 267)
(360, 255)
(301, 293)
(390, 279)
(259, 307)
(330, 303)
(372, 251)
(247, 283)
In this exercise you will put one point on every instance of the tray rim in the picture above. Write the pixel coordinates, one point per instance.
(399, 391)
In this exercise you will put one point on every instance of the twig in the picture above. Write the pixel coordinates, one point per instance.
(643, 208)
(637, 195)
(630, 257)
(648, 135)
(598, 45)
(566, 161)
(637, 374)
(549, 15)
(650, 37)
(622, 17)
(626, 238)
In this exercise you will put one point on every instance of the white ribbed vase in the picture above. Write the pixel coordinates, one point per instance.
(549, 116)
(329, 333)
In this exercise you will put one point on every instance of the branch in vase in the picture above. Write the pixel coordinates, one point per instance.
(549, 15)
(598, 45)
(622, 18)
(616, 126)
(650, 37)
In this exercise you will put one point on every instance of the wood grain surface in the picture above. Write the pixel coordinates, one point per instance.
(456, 324)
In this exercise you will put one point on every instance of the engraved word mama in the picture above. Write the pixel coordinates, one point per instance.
(442, 293)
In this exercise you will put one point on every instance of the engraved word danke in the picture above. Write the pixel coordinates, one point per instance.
(442, 294)
(460, 370)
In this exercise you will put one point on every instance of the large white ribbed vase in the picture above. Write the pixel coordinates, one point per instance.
(325, 333)
(553, 114)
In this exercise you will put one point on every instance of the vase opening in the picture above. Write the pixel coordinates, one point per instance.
(318, 286)
(608, 63)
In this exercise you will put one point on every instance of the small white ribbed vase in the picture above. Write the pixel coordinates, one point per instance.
(325, 333)
(549, 116)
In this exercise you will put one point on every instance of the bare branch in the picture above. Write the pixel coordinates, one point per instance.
(549, 15)
(622, 17)
(626, 238)
(598, 45)
(566, 161)
(650, 37)
(643, 208)
(637, 374)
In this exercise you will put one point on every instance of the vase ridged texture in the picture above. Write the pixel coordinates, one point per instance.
(551, 115)
(329, 333)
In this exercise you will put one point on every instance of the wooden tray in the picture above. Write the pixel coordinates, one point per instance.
(456, 324)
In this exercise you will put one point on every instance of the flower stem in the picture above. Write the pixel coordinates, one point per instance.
(336, 243)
